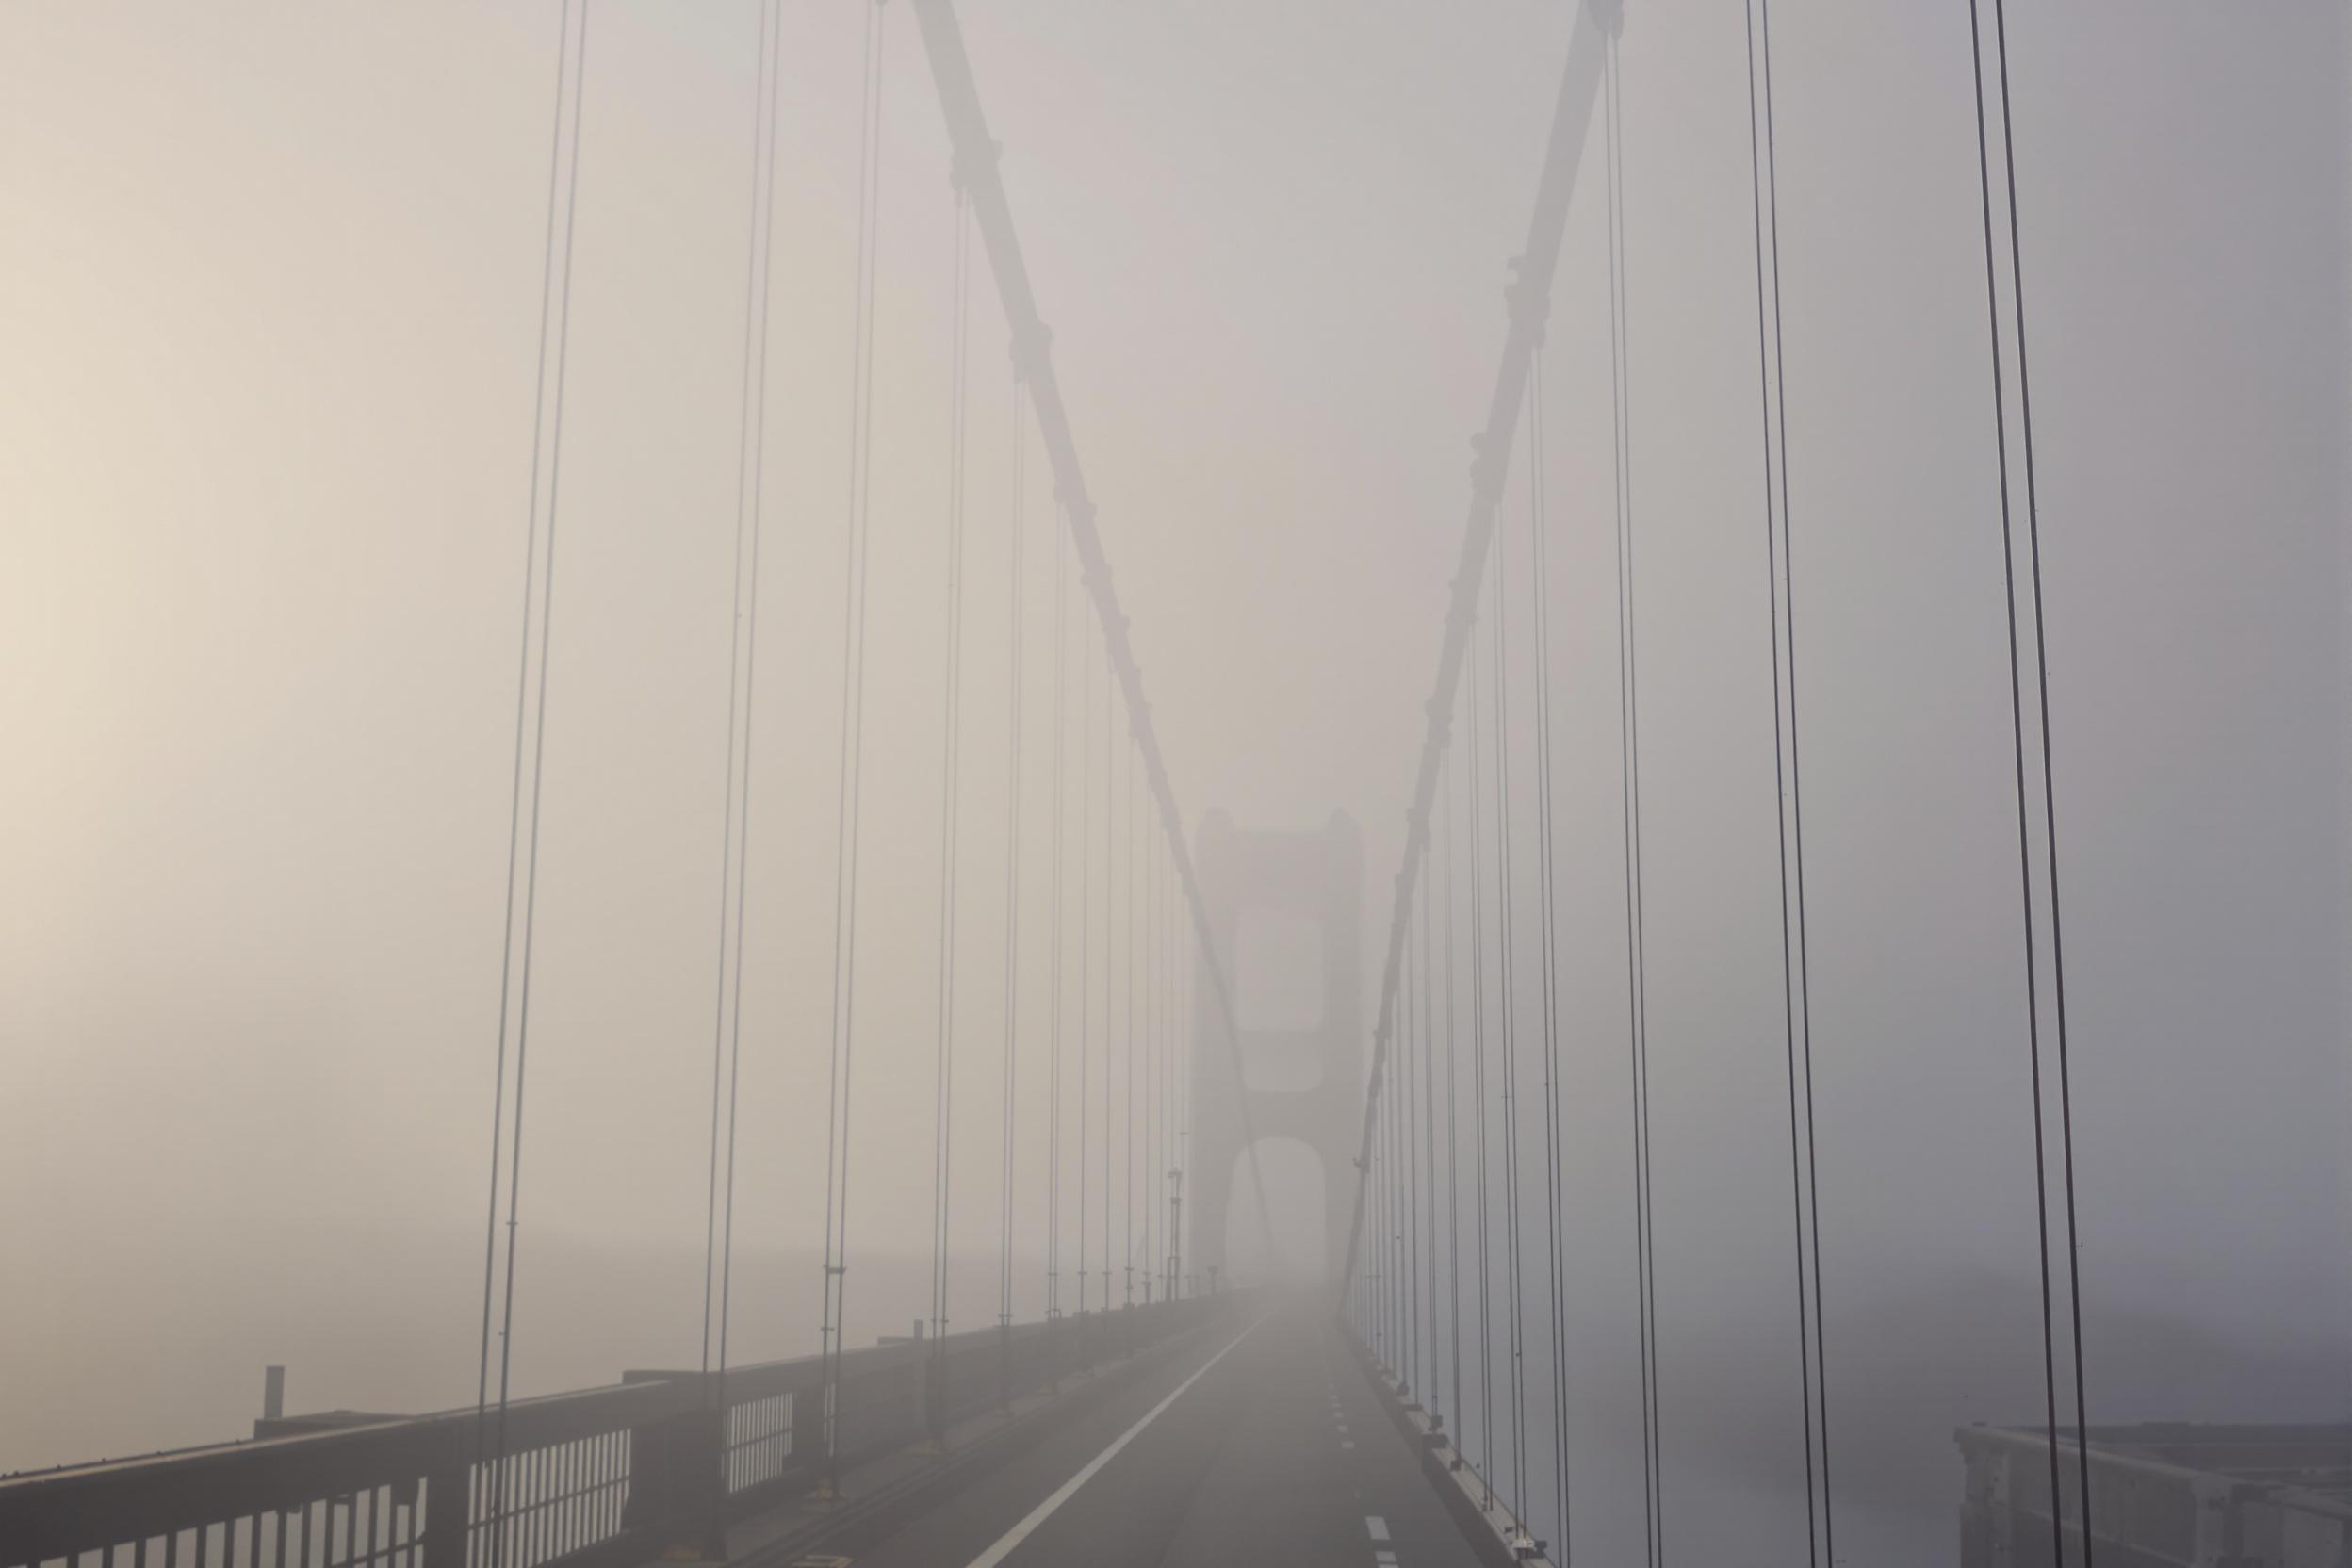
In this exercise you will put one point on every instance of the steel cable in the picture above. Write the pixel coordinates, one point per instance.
(943, 1056)
(1547, 927)
(546, 583)
(1478, 1091)
(1507, 998)
(2050, 808)
(1629, 784)
(1014, 682)
(1796, 989)
(849, 777)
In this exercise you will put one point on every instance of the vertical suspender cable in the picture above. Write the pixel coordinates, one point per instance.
(1417, 1044)
(745, 442)
(951, 779)
(1085, 938)
(1428, 1142)
(1172, 1150)
(1014, 683)
(1377, 1285)
(1478, 1092)
(1629, 785)
(1127, 1150)
(1110, 955)
(1391, 1181)
(1547, 930)
(848, 783)
(540, 574)
(1173, 1070)
(2049, 787)
(1386, 1176)
(1393, 1117)
(1114, 902)
(522, 703)
(1402, 1182)
(1180, 1072)
(1391, 1283)
(750, 473)
(1453, 1121)
(1804, 1169)
(1508, 994)
(1147, 1156)
(1394, 1282)
(2049, 802)
(1053, 1026)
(1188, 1030)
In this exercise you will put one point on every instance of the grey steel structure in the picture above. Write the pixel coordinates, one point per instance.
(1317, 876)
(2163, 1494)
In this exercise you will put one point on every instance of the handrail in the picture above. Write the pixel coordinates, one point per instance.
(625, 1465)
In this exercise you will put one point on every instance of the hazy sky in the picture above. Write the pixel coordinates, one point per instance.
(268, 290)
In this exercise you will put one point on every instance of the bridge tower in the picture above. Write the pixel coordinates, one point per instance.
(1278, 902)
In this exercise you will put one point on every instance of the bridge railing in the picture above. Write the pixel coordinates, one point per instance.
(2162, 1496)
(602, 1475)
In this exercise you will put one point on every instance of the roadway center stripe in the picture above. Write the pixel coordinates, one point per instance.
(1044, 1510)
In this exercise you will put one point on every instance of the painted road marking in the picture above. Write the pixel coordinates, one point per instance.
(1377, 1526)
(1044, 1510)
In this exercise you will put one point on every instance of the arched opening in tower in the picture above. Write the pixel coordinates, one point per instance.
(1294, 1201)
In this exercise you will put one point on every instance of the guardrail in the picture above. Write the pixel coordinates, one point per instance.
(2161, 1508)
(1497, 1536)
(602, 1475)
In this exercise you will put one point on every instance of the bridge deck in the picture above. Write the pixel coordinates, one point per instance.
(1273, 1448)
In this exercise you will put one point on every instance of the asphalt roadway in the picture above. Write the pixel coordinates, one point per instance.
(1267, 1444)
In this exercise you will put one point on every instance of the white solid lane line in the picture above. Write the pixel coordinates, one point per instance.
(1044, 1510)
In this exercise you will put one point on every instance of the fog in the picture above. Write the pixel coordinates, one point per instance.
(269, 292)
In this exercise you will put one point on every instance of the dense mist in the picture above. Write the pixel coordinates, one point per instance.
(270, 305)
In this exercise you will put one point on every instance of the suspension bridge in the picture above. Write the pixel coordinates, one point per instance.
(1158, 1371)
